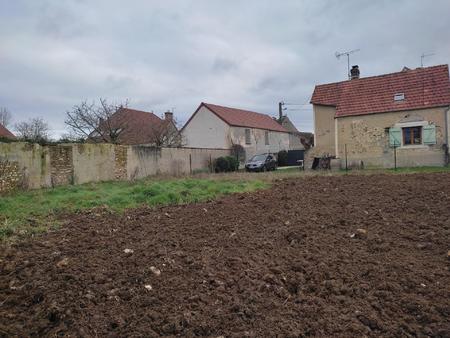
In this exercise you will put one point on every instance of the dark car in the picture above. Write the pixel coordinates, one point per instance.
(262, 162)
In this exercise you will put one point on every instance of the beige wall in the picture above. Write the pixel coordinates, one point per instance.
(40, 166)
(277, 141)
(93, 162)
(448, 126)
(145, 161)
(324, 129)
(367, 139)
(206, 130)
(33, 162)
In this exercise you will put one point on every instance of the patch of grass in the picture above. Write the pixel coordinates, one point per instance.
(415, 170)
(24, 213)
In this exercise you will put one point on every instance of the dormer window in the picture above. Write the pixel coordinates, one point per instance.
(399, 97)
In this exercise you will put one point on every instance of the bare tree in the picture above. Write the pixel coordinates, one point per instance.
(34, 130)
(5, 116)
(96, 122)
(166, 134)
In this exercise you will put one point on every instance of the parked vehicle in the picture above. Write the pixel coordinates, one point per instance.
(262, 162)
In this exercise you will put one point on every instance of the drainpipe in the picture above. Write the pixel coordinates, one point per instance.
(446, 145)
(336, 137)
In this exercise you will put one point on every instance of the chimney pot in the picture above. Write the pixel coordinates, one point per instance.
(354, 72)
(168, 115)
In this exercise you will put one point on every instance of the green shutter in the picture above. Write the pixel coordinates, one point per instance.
(395, 137)
(429, 134)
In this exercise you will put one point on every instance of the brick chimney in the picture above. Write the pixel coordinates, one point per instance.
(354, 72)
(168, 115)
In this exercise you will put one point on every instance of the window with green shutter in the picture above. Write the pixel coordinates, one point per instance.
(412, 136)
(429, 134)
(395, 137)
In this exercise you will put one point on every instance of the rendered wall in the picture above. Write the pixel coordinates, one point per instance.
(277, 141)
(32, 161)
(31, 166)
(144, 161)
(206, 130)
(324, 129)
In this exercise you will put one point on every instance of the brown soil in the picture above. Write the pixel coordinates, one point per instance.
(323, 256)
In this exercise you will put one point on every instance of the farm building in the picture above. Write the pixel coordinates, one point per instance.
(369, 119)
(5, 133)
(213, 126)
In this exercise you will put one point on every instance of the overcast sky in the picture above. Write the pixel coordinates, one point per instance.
(175, 54)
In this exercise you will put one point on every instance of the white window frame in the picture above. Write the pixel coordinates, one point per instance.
(409, 125)
(399, 97)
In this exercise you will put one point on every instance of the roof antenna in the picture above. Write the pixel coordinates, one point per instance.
(338, 55)
(423, 56)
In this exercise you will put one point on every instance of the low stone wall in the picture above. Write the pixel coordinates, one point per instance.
(31, 166)
(9, 175)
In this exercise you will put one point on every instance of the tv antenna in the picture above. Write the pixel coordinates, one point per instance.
(423, 56)
(338, 56)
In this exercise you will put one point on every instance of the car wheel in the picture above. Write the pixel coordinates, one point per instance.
(264, 169)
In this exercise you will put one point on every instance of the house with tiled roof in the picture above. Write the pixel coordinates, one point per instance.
(5, 133)
(214, 126)
(139, 127)
(401, 118)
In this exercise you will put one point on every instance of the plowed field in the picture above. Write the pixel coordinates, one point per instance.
(321, 256)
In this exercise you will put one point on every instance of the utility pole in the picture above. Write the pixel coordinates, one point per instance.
(280, 109)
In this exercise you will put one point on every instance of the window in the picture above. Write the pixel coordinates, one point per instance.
(266, 136)
(399, 97)
(247, 137)
(412, 135)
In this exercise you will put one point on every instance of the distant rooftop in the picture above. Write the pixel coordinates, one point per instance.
(244, 118)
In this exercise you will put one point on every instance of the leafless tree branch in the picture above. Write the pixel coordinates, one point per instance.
(5, 116)
(96, 122)
(34, 130)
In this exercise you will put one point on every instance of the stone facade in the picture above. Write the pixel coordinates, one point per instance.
(10, 176)
(366, 137)
(61, 165)
(120, 162)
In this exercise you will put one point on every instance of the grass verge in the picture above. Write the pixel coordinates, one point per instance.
(32, 212)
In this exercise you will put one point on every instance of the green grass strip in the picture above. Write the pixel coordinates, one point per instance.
(24, 213)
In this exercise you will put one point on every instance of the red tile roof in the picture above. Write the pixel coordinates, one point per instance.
(242, 118)
(6, 133)
(423, 88)
(139, 126)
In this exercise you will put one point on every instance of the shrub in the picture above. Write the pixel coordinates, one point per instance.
(282, 158)
(233, 163)
(221, 165)
(226, 164)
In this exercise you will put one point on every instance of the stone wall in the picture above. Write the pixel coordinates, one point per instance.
(367, 138)
(31, 166)
(9, 175)
(120, 162)
(61, 165)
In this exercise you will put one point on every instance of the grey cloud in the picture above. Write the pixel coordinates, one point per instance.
(164, 54)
